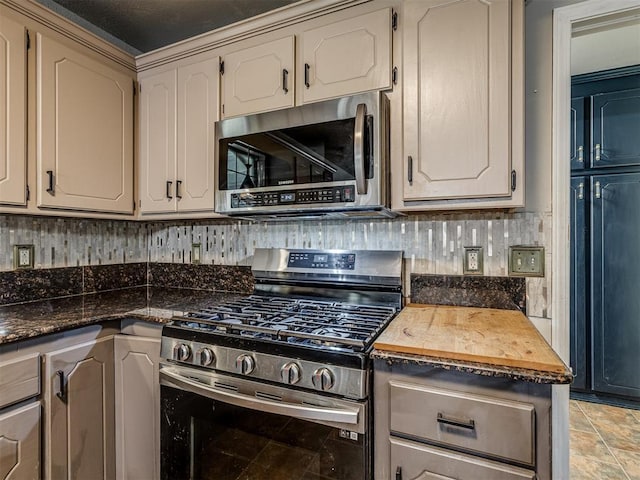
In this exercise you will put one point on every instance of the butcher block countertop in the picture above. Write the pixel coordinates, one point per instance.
(481, 340)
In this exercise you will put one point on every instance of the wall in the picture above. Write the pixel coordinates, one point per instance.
(432, 244)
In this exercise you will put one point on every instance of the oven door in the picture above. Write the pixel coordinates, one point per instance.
(221, 427)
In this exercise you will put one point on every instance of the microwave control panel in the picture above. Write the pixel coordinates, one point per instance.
(341, 194)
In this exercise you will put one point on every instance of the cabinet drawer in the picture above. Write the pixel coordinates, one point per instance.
(19, 379)
(414, 461)
(500, 428)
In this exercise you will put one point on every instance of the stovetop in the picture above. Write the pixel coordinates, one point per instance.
(329, 325)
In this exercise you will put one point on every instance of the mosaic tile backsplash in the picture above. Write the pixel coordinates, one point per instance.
(432, 243)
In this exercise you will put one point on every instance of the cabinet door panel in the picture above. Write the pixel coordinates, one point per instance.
(20, 443)
(579, 324)
(615, 277)
(615, 127)
(254, 78)
(578, 155)
(457, 99)
(198, 86)
(137, 407)
(84, 131)
(347, 57)
(158, 142)
(79, 426)
(13, 105)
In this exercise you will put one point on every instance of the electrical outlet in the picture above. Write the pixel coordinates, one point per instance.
(23, 256)
(473, 262)
(195, 253)
(526, 261)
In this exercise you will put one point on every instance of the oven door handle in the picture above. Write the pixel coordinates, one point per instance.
(306, 412)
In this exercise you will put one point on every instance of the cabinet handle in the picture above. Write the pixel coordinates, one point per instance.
(178, 194)
(468, 424)
(581, 191)
(410, 169)
(580, 154)
(169, 183)
(597, 158)
(306, 75)
(598, 190)
(285, 80)
(399, 473)
(51, 189)
(62, 390)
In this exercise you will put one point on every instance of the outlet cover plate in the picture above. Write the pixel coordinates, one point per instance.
(196, 251)
(526, 261)
(23, 256)
(473, 261)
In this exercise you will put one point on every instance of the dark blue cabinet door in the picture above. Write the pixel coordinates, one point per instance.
(577, 153)
(615, 278)
(579, 324)
(615, 129)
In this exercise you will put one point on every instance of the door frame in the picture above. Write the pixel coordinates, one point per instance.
(563, 18)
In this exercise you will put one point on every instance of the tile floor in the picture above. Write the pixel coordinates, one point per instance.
(605, 442)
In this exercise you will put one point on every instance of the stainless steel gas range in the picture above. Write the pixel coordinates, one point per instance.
(278, 384)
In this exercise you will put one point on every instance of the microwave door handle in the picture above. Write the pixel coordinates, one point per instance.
(307, 412)
(358, 149)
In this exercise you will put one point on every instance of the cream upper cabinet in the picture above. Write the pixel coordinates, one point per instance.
(461, 124)
(13, 105)
(259, 78)
(346, 57)
(84, 138)
(177, 111)
(158, 142)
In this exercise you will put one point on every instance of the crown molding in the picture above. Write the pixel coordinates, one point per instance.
(42, 15)
(267, 22)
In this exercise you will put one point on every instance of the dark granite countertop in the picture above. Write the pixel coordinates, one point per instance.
(152, 304)
(484, 369)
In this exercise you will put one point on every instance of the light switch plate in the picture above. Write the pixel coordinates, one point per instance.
(23, 256)
(526, 261)
(473, 261)
(196, 251)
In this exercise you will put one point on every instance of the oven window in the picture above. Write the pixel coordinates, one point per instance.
(207, 439)
(299, 155)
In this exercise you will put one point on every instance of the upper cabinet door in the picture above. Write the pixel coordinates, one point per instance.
(259, 79)
(577, 155)
(457, 106)
(198, 86)
(13, 108)
(158, 142)
(84, 133)
(615, 126)
(346, 57)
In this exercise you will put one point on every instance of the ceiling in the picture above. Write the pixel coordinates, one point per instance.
(145, 25)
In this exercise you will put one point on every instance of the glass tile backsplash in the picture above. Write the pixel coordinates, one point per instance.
(432, 243)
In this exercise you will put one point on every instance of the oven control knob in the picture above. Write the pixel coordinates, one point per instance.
(206, 357)
(323, 379)
(245, 364)
(182, 352)
(290, 373)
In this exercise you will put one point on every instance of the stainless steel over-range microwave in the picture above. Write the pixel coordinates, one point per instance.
(326, 158)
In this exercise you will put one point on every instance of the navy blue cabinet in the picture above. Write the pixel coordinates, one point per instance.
(579, 324)
(615, 279)
(577, 155)
(615, 128)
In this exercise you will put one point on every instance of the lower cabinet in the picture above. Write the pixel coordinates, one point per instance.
(79, 411)
(20, 443)
(137, 406)
(437, 424)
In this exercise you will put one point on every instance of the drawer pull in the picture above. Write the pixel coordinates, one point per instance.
(62, 390)
(468, 424)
